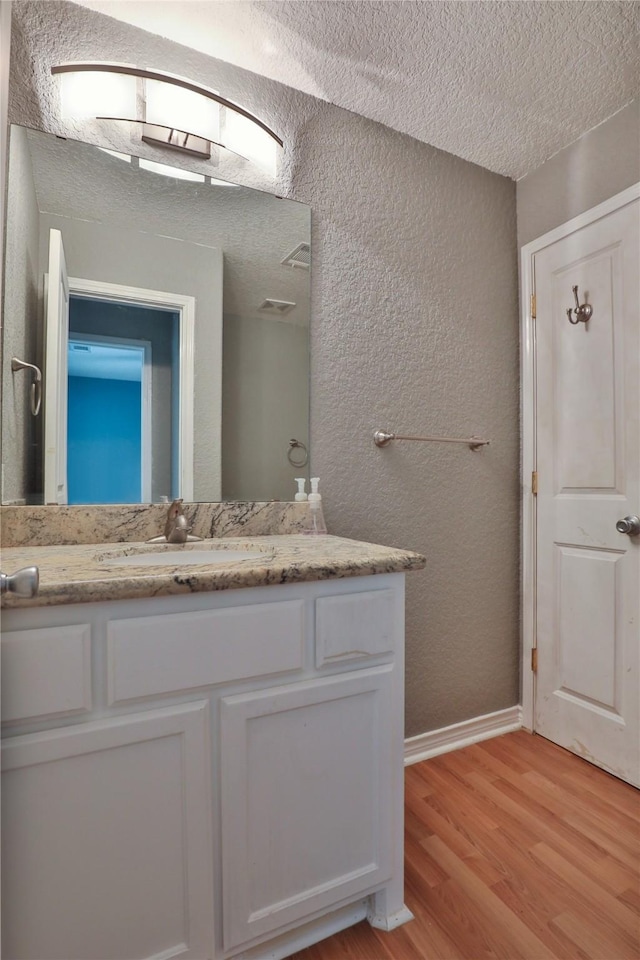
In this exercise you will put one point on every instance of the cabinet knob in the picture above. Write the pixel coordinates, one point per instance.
(24, 583)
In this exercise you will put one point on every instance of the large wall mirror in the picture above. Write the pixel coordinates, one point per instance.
(170, 320)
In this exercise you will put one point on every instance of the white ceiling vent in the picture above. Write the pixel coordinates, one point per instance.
(277, 307)
(300, 257)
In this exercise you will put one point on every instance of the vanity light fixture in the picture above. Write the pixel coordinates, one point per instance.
(167, 171)
(174, 113)
(176, 173)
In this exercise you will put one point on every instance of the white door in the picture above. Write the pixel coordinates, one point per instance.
(588, 464)
(55, 373)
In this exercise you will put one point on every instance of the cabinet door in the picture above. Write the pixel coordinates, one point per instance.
(106, 839)
(306, 799)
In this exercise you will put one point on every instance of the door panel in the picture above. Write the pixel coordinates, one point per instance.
(588, 462)
(589, 626)
(584, 378)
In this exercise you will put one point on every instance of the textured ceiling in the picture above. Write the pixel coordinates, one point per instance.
(503, 84)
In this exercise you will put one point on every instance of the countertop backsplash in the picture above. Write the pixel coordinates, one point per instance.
(44, 526)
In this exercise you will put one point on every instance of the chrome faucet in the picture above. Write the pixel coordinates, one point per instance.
(176, 527)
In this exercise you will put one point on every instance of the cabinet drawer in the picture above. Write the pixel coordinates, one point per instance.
(46, 672)
(153, 655)
(354, 626)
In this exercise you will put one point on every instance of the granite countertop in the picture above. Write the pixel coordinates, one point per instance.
(88, 573)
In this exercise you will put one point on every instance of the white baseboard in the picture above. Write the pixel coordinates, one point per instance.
(463, 734)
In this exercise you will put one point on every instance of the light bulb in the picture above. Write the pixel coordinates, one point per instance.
(250, 141)
(93, 93)
(180, 109)
(167, 171)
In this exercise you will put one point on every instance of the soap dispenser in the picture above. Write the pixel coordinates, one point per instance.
(300, 495)
(315, 523)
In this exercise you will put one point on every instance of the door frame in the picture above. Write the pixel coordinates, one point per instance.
(528, 427)
(185, 307)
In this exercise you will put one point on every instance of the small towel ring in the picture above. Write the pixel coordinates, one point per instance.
(302, 459)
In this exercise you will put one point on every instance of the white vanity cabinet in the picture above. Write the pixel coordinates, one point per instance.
(207, 776)
(306, 802)
(107, 839)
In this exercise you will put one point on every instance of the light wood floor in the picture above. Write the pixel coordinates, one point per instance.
(514, 848)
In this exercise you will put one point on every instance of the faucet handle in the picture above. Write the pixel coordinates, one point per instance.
(174, 511)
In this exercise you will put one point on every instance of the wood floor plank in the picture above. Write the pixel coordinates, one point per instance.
(437, 926)
(356, 943)
(484, 797)
(446, 785)
(529, 885)
(521, 939)
(413, 941)
(593, 940)
(631, 897)
(429, 870)
(515, 850)
(414, 786)
(605, 785)
(494, 767)
(432, 822)
(605, 816)
(509, 751)
(576, 845)
(613, 838)
(530, 912)
(601, 838)
(600, 899)
(579, 775)
(462, 921)
(416, 771)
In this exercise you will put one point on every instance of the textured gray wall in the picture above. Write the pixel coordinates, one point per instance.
(414, 328)
(600, 164)
(19, 427)
(265, 384)
(5, 48)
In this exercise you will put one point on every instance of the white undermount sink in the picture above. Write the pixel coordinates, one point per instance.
(160, 555)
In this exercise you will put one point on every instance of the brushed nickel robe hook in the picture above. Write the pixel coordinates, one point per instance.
(583, 311)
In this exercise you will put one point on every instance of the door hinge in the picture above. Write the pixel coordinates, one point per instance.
(534, 483)
(534, 659)
(533, 306)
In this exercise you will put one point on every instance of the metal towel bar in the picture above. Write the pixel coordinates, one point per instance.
(382, 438)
